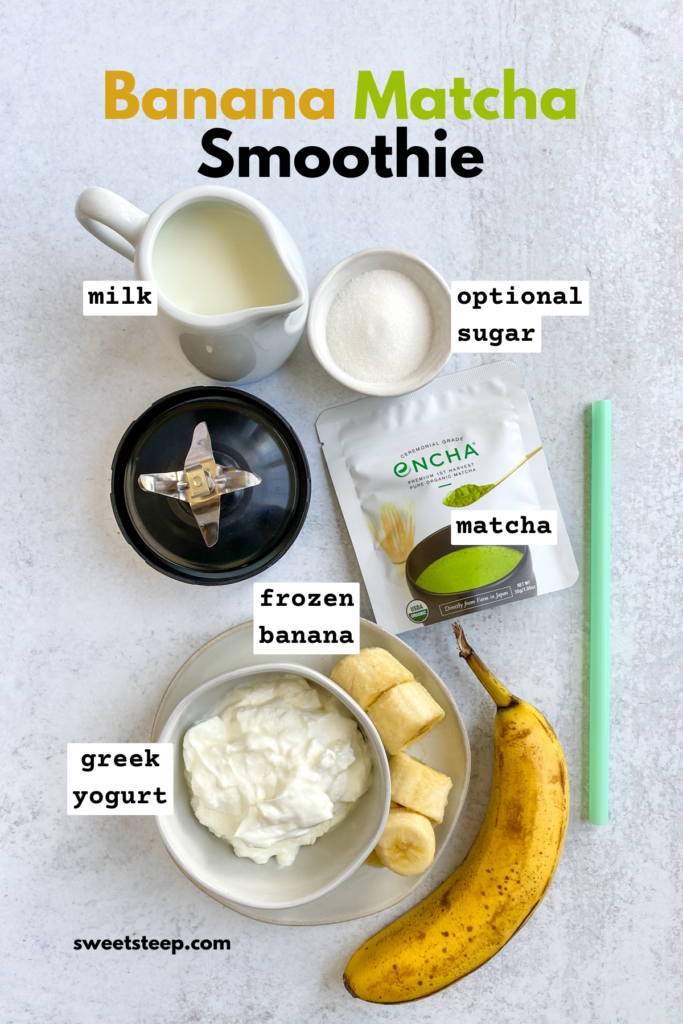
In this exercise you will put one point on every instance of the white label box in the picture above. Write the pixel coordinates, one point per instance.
(501, 317)
(119, 778)
(306, 618)
(503, 526)
(120, 298)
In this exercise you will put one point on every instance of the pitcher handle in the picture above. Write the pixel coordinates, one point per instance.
(112, 219)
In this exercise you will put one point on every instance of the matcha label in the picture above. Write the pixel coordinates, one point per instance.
(504, 526)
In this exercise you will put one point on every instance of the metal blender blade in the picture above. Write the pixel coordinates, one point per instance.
(200, 483)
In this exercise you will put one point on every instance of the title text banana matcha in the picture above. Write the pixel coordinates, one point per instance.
(392, 98)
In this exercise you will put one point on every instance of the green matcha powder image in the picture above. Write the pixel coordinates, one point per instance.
(468, 569)
(467, 495)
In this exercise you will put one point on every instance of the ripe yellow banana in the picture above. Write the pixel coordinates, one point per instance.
(501, 881)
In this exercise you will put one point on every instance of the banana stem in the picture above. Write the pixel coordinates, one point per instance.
(500, 694)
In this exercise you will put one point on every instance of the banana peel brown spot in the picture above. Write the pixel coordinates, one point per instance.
(522, 734)
(545, 724)
(349, 987)
(563, 777)
(514, 821)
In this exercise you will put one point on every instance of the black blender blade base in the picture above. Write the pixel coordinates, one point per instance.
(257, 525)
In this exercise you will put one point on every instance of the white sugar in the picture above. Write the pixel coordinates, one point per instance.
(379, 327)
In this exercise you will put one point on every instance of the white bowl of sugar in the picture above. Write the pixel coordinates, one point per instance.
(380, 322)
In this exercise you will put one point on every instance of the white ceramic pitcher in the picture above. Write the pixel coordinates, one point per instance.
(242, 346)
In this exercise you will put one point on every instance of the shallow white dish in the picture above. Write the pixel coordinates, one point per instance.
(432, 284)
(211, 863)
(368, 890)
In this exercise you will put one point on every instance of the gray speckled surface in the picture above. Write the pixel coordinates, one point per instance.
(91, 635)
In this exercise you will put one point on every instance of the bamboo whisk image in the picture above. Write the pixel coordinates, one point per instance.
(395, 533)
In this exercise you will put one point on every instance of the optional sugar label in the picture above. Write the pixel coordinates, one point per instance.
(306, 618)
(500, 317)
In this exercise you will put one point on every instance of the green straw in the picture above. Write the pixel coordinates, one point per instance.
(598, 765)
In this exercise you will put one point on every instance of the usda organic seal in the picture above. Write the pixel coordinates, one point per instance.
(417, 611)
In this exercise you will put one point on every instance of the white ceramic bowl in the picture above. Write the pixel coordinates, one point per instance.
(431, 283)
(211, 863)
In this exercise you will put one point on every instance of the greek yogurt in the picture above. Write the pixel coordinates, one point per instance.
(279, 765)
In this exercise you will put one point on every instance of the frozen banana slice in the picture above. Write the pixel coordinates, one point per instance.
(373, 861)
(418, 787)
(368, 674)
(407, 843)
(404, 714)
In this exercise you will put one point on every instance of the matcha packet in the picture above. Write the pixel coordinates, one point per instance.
(401, 465)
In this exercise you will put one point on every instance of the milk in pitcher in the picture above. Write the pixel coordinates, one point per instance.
(213, 258)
